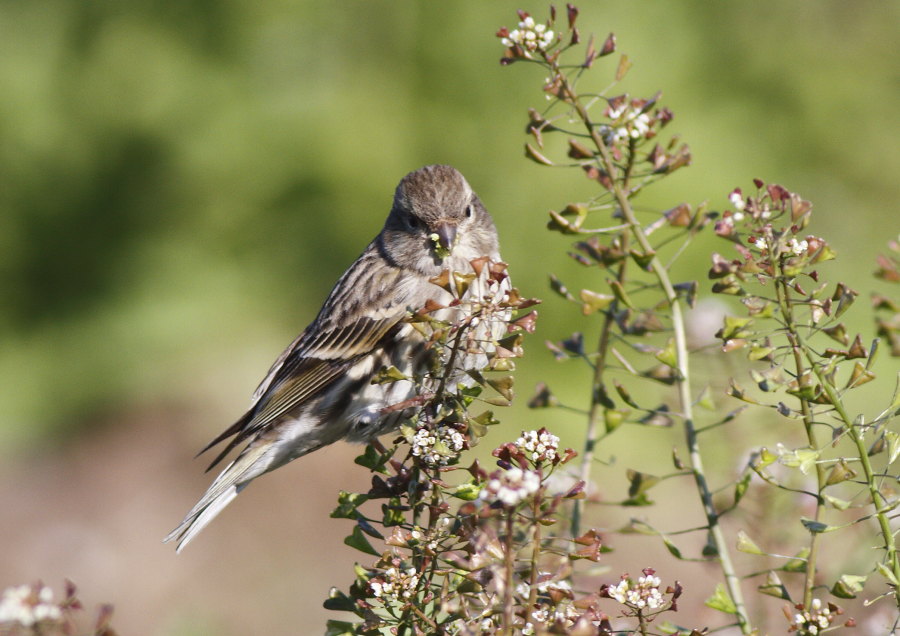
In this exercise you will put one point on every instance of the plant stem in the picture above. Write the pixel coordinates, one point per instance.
(879, 501)
(535, 553)
(597, 388)
(684, 391)
(783, 295)
(508, 587)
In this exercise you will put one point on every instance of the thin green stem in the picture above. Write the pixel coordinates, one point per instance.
(684, 391)
(791, 331)
(879, 500)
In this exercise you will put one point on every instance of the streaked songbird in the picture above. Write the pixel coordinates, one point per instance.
(320, 388)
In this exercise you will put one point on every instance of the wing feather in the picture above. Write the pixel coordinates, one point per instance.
(328, 348)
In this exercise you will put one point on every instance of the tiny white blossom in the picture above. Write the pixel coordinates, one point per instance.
(395, 585)
(640, 594)
(815, 619)
(799, 247)
(530, 36)
(510, 487)
(737, 199)
(738, 216)
(539, 445)
(28, 605)
(439, 446)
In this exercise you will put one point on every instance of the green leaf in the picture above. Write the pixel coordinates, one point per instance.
(594, 301)
(798, 563)
(774, 587)
(338, 628)
(639, 482)
(705, 399)
(766, 457)
(622, 68)
(721, 601)
(373, 460)
(844, 297)
(758, 352)
(669, 355)
(389, 374)
(893, 439)
(803, 458)
(392, 514)
(840, 472)
(672, 548)
(503, 386)
(620, 293)
(640, 500)
(642, 259)
(736, 391)
(624, 394)
(613, 418)
(839, 504)
(735, 328)
(886, 572)
(478, 425)
(357, 540)
(338, 601)
(466, 492)
(348, 502)
(746, 544)
(816, 527)
(741, 487)
(848, 586)
(838, 333)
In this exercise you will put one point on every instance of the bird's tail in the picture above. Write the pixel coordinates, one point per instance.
(236, 476)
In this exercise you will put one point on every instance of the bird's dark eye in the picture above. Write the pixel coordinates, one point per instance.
(469, 211)
(413, 222)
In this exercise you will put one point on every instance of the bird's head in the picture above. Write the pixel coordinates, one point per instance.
(437, 216)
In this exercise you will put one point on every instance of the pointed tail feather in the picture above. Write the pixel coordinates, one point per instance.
(249, 465)
(192, 525)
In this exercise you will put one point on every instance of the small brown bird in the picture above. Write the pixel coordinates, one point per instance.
(319, 390)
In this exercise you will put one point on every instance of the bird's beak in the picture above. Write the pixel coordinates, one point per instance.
(446, 234)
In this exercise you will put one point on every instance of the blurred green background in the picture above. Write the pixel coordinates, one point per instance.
(182, 182)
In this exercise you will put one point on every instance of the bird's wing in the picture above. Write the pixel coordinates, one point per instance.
(364, 307)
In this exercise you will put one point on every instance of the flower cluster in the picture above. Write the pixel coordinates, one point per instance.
(643, 594)
(28, 605)
(542, 445)
(395, 585)
(510, 487)
(532, 448)
(438, 446)
(815, 620)
(564, 617)
(528, 38)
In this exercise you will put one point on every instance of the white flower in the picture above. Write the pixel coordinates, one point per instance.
(27, 605)
(539, 445)
(396, 584)
(510, 487)
(814, 619)
(638, 595)
(737, 216)
(439, 446)
(799, 247)
(737, 199)
(530, 36)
